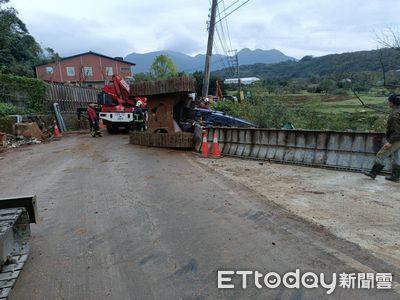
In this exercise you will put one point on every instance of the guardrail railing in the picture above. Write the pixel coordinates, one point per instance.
(352, 151)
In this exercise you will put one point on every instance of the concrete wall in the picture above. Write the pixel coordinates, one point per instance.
(71, 121)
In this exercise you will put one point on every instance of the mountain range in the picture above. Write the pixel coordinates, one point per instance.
(189, 64)
(344, 64)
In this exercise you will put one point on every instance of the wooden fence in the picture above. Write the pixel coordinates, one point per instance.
(69, 98)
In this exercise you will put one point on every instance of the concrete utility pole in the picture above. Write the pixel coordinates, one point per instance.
(206, 79)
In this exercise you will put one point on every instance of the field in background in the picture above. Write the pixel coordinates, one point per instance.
(310, 110)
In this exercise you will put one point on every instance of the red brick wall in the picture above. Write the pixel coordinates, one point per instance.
(98, 64)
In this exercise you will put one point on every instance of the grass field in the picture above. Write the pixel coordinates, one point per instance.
(332, 103)
(353, 105)
(312, 111)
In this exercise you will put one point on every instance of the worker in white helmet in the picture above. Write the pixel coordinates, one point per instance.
(138, 117)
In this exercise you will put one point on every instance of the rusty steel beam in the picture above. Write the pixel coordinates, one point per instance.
(162, 97)
(182, 140)
(184, 84)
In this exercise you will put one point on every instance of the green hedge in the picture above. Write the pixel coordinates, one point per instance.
(8, 109)
(32, 90)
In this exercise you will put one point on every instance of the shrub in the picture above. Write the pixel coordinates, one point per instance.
(32, 91)
(8, 109)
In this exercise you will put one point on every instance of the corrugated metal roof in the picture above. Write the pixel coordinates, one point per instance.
(93, 53)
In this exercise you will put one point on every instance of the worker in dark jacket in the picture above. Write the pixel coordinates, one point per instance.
(93, 121)
(392, 146)
(138, 117)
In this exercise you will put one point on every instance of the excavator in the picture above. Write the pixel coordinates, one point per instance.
(117, 108)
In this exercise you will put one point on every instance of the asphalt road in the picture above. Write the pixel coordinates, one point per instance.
(119, 221)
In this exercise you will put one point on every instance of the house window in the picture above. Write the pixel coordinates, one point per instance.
(109, 71)
(88, 71)
(70, 71)
(49, 70)
(125, 69)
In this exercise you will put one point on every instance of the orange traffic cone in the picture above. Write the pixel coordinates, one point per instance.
(216, 153)
(204, 146)
(101, 124)
(56, 131)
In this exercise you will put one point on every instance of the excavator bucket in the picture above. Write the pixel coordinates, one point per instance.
(164, 97)
(16, 214)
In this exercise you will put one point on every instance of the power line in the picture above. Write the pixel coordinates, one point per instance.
(221, 38)
(231, 12)
(227, 27)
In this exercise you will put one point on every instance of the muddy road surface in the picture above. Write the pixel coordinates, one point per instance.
(119, 221)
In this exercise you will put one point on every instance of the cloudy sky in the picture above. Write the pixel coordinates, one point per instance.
(295, 27)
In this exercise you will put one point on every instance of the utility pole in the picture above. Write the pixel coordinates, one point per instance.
(238, 77)
(206, 79)
(234, 59)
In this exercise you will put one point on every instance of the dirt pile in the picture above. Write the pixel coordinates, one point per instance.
(24, 134)
(3, 139)
(29, 130)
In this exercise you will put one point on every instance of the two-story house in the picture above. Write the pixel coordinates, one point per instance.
(85, 69)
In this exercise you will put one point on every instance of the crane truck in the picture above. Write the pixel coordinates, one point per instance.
(117, 107)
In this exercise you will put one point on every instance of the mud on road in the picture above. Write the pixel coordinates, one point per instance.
(350, 205)
(118, 221)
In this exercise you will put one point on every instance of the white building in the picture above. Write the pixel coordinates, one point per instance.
(245, 80)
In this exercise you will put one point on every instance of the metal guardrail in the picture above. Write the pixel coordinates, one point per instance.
(351, 151)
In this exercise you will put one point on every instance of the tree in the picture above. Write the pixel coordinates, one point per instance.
(327, 85)
(142, 77)
(49, 55)
(19, 51)
(199, 75)
(389, 37)
(163, 67)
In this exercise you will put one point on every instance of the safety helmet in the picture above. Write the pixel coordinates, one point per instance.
(394, 98)
(139, 104)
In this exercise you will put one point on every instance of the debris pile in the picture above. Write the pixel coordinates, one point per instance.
(24, 134)
(29, 130)
(3, 139)
(17, 141)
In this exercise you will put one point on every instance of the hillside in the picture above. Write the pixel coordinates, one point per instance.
(333, 64)
(190, 64)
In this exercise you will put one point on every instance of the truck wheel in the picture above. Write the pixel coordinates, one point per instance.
(112, 129)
